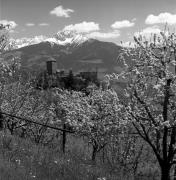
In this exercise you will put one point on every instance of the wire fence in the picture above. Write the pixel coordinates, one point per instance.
(38, 123)
(47, 125)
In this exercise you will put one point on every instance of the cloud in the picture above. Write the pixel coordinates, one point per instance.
(13, 31)
(26, 41)
(83, 27)
(59, 11)
(148, 32)
(30, 24)
(39, 38)
(122, 24)
(162, 18)
(43, 24)
(134, 19)
(128, 44)
(108, 35)
(11, 23)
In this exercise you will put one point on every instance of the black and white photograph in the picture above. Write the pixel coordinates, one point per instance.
(87, 89)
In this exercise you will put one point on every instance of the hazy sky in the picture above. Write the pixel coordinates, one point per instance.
(109, 20)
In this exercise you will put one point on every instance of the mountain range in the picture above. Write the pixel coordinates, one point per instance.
(71, 50)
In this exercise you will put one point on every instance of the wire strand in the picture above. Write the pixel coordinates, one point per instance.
(34, 122)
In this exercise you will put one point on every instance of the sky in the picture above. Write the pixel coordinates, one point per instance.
(108, 20)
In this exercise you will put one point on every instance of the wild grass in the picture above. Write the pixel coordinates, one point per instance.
(21, 159)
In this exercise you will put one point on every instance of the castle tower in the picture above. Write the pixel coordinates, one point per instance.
(51, 66)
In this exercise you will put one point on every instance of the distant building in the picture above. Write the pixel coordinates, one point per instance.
(51, 66)
(91, 76)
(61, 73)
(65, 79)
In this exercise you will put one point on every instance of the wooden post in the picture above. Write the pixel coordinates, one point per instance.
(64, 138)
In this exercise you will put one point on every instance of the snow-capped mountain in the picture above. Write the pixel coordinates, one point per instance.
(61, 38)
(70, 37)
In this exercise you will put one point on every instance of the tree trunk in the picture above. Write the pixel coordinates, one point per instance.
(103, 154)
(22, 135)
(94, 152)
(1, 120)
(174, 173)
(165, 172)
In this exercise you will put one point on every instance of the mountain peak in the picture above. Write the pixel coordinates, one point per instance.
(64, 37)
(65, 34)
(71, 37)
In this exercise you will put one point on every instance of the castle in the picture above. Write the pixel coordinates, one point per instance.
(53, 77)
